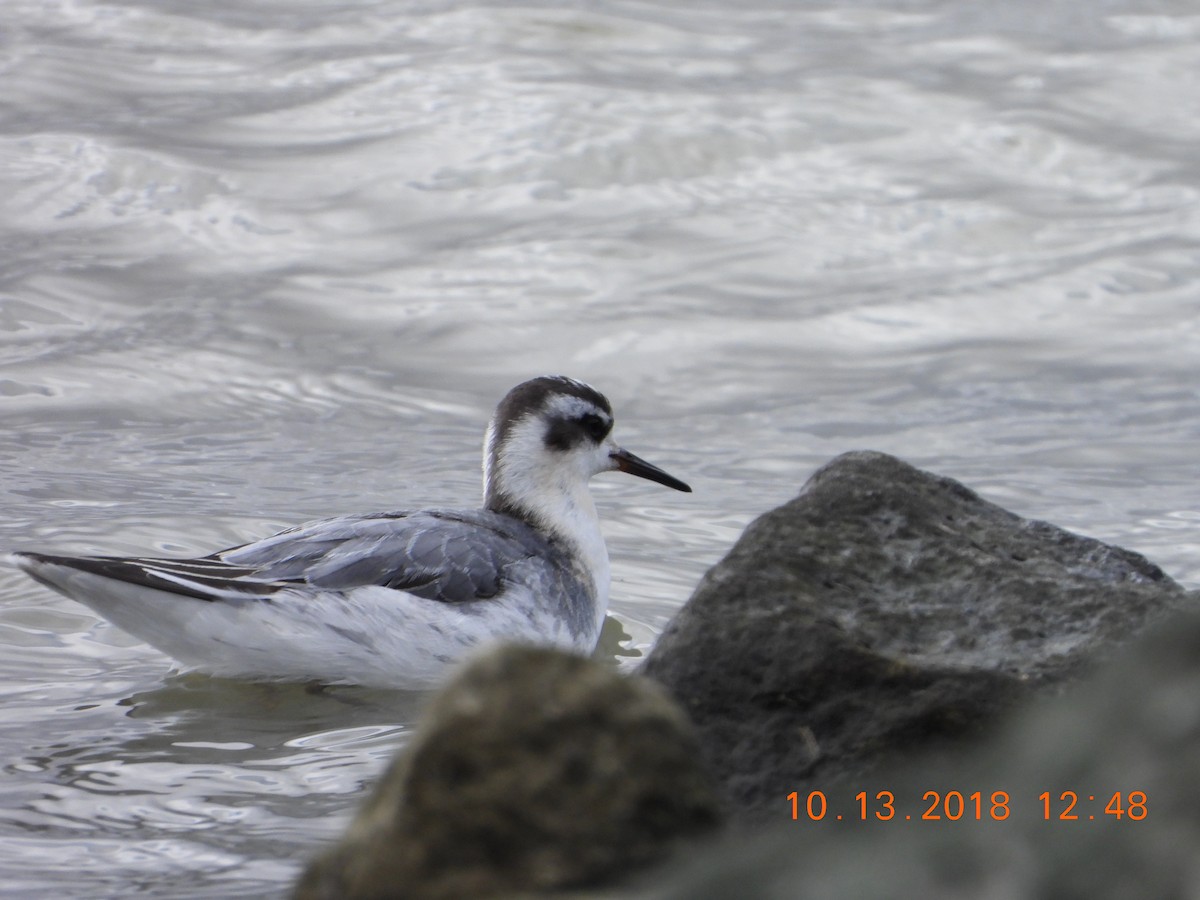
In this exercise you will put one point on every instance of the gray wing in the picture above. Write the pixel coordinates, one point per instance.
(449, 556)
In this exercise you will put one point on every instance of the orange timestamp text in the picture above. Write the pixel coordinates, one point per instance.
(954, 806)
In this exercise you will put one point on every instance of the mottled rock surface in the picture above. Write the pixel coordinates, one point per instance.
(1134, 727)
(882, 612)
(532, 771)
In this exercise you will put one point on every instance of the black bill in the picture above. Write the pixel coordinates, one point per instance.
(635, 465)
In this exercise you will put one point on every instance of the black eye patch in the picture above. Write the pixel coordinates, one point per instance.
(594, 426)
(563, 434)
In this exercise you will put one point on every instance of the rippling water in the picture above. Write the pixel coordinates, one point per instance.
(266, 261)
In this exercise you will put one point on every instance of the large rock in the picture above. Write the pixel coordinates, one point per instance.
(886, 610)
(531, 771)
(1132, 732)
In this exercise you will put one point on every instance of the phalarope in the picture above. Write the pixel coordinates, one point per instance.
(393, 599)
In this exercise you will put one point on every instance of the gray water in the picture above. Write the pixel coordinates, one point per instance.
(263, 261)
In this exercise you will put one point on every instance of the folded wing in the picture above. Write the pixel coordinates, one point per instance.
(449, 556)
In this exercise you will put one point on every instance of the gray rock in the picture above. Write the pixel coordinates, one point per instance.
(1135, 727)
(885, 611)
(532, 771)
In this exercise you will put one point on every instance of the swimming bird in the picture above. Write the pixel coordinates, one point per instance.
(393, 599)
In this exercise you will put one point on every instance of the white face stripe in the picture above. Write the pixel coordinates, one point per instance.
(566, 406)
(489, 438)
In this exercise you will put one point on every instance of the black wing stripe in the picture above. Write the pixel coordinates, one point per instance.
(166, 575)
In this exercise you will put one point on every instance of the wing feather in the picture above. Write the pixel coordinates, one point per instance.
(446, 555)
(450, 556)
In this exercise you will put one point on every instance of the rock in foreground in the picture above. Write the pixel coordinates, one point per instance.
(1125, 745)
(532, 771)
(883, 611)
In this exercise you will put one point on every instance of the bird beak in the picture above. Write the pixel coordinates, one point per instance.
(635, 465)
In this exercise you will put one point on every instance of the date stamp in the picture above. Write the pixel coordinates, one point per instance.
(975, 806)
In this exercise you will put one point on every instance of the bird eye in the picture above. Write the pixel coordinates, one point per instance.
(594, 426)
